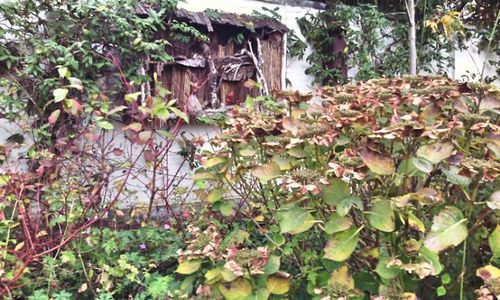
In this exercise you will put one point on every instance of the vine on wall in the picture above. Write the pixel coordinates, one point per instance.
(371, 41)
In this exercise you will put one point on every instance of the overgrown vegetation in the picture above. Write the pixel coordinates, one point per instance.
(370, 40)
(384, 189)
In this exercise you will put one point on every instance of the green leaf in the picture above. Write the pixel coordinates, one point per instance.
(180, 114)
(105, 124)
(494, 242)
(214, 275)
(226, 209)
(441, 291)
(377, 163)
(160, 111)
(448, 229)
(436, 152)
(342, 244)
(381, 216)
(68, 257)
(415, 223)
(283, 163)
(132, 97)
(446, 278)
(338, 194)
(309, 222)
(188, 267)
(453, 177)
(277, 285)
(166, 134)
(433, 258)
(261, 294)
(266, 172)
(422, 164)
(215, 195)
(341, 278)
(337, 223)
(4, 179)
(214, 161)
(63, 72)
(292, 218)
(334, 193)
(384, 270)
(273, 265)
(238, 289)
(247, 152)
(60, 94)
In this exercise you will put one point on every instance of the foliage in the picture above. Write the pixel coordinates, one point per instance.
(109, 264)
(382, 188)
(75, 70)
(375, 38)
(362, 35)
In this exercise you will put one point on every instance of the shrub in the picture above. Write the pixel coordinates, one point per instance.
(385, 188)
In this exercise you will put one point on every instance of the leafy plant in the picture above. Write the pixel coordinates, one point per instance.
(377, 190)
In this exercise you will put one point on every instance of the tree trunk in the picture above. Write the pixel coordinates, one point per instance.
(412, 41)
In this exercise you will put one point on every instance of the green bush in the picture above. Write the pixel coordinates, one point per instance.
(109, 264)
(382, 188)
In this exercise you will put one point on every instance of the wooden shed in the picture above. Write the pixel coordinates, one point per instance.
(211, 74)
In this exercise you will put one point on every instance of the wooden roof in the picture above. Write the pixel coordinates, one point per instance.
(222, 18)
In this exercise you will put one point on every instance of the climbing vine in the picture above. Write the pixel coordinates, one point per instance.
(368, 41)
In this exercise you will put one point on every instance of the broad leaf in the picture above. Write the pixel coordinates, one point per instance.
(342, 244)
(214, 275)
(273, 265)
(238, 289)
(422, 164)
(337, 223)
(433, 258)
(336, 191)
(266, 172)
(292, 219)
(386, 268)
(214, 161)
(341, 278)
(494, 242)
(436, 152)
(160, 111)
(309, 222)
(377, 163)
(60, 94)
(448, 229)
(338, 194)
(381, 216)
(105, 124)
(215, 195)
(277, 285)
(415, 223)
(188, 267)
(54, 116)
